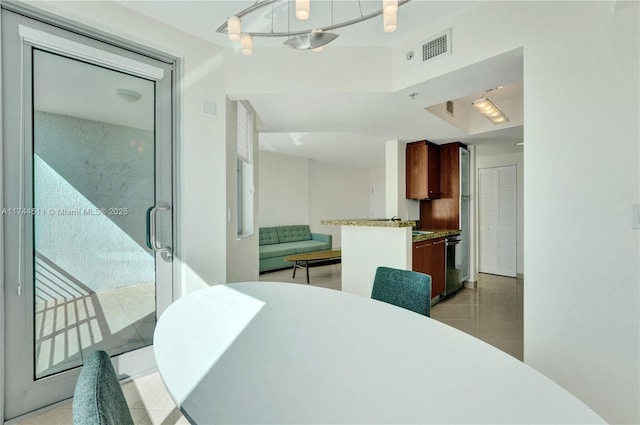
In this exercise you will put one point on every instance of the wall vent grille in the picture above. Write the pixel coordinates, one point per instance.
(437, 46)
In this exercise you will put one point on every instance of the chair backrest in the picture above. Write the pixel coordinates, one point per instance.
(98, 397)
(403, 288)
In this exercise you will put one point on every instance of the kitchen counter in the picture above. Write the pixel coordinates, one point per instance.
(387, 222)
(435, 235)
(369, 243)
(369, 222)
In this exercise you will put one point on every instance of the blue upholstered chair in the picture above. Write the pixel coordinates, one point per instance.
(403, 288)
(98, 397)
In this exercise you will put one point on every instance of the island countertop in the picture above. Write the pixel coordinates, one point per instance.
(370, 222)
(387, 222)
(434, 234)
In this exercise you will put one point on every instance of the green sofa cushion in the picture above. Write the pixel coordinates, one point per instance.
(276, 250)
(268, 236)
(294, 233)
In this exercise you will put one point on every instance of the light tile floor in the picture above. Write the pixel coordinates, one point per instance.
(148, 401)
(491, 312)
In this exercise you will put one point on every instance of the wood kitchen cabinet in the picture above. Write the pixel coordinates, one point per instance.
(444, 212)
(429, 258)
(422, 170)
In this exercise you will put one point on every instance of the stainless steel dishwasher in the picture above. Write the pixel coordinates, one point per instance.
(453, 265)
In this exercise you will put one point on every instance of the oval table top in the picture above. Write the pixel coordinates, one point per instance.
(268, 352)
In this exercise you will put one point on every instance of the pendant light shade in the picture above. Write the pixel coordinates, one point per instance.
(310, 40)
(233, 28)
(320, 48)
(246, 44)
(390, 21)
(302, 9)
(389, 6)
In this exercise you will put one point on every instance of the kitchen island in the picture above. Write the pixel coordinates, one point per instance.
(370, 243)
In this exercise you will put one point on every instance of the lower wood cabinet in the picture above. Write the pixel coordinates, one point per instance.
(429, 258)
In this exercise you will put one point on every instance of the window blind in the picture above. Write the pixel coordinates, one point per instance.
(244, 134)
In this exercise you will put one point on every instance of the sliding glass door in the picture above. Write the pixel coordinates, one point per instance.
(88, 207)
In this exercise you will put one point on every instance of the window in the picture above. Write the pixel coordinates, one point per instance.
(245, 188)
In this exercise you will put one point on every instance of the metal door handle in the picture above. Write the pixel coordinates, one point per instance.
(152, 241)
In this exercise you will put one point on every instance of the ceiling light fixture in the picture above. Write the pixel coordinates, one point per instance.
(127, 95)
(489, 109)
(308, 39)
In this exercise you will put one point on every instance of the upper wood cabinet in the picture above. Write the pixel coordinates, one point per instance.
(444, 212)
(422, 170)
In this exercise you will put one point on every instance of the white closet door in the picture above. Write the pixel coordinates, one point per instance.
(497, 220)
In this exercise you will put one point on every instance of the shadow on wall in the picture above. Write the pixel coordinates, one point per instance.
(93, 183)
(111, 166)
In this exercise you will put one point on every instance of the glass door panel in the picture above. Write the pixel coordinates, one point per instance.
(465, 212)
(93, 181)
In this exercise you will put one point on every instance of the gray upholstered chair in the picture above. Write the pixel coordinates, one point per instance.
(403, 288)
(98, 397)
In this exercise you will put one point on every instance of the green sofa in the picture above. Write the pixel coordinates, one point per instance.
(279, 242)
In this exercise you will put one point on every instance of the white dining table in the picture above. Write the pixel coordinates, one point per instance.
(281, 353)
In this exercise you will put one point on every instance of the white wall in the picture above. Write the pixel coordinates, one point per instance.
(377, 198)
(296, 190)
(491, 159)
(284, 189)
(317, 71)
(202, 251)
(582, 324)
(336, 192)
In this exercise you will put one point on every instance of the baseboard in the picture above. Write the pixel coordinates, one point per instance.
(471, 284)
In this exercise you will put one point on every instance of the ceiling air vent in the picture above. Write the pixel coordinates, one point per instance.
(437, 46)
